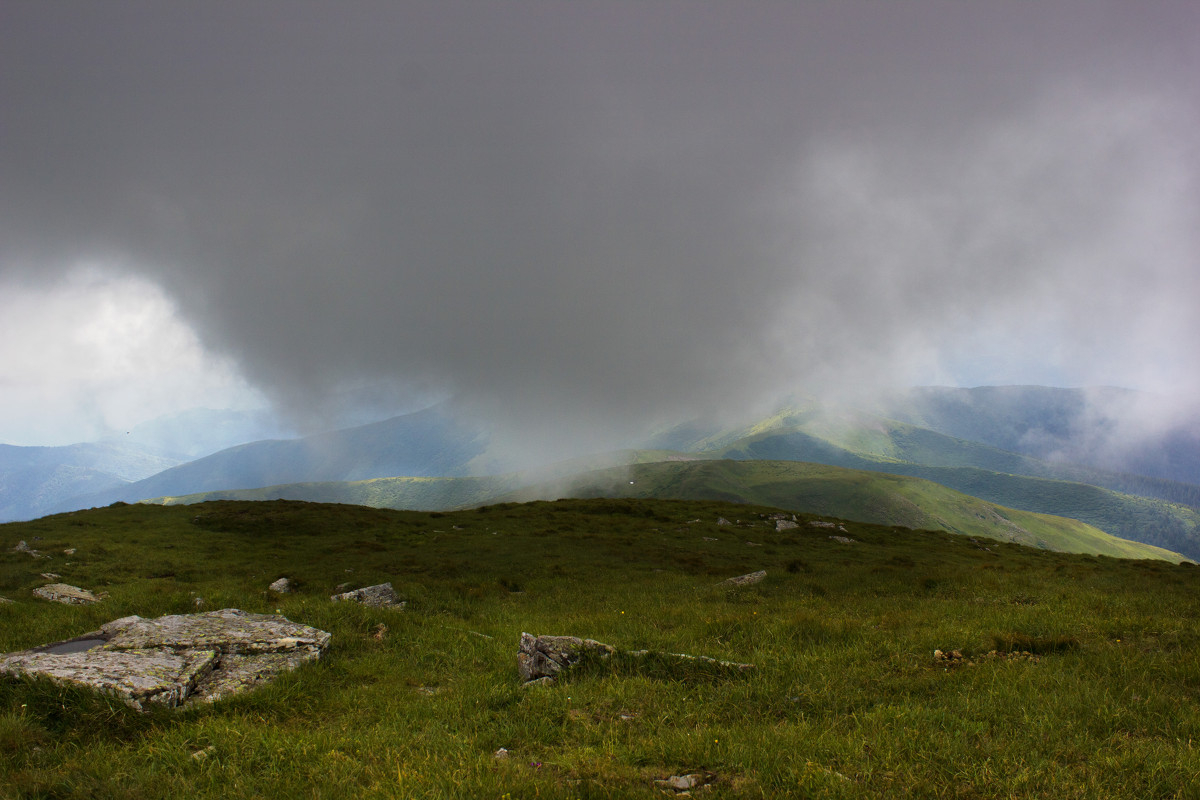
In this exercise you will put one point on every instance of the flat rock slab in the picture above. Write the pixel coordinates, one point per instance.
(137, 677)
(177, 658)
(227, 631)
(64, 593)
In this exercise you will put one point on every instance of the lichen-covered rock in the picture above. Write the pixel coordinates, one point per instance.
(545, 656)
(228, 631)
(137, 677)
(748, 579)
(379, 596)
(176, 658)
(281, 586)
(63, 593)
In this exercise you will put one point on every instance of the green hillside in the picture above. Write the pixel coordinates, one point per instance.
(811, 488)
(1061, 675)
(981, 471)
(849, 494)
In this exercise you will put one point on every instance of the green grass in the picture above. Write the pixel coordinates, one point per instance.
(847, 700)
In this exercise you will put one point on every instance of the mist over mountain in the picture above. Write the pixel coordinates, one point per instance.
(426, 443)
(1108, 428)
(199, 432)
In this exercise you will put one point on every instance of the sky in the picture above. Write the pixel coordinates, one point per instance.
(583, 220)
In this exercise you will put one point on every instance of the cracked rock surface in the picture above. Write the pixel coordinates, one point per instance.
(175, 659)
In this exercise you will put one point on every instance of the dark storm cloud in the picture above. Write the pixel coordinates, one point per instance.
(602, 214)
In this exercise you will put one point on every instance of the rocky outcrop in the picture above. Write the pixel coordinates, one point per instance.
(541, 659)
(175, 659)
(63, 593)
(379, 596)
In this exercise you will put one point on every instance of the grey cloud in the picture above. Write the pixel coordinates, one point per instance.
(600, 215)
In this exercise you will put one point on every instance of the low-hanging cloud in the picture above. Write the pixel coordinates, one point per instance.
(594, 217)
(1061, 236)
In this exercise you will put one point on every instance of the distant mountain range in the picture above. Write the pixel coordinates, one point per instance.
(1088, 455)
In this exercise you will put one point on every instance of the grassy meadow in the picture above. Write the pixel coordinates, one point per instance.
(1079, 676)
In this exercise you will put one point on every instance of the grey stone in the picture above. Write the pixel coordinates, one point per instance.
(177, 658)
(546, 656)
(281, 586)
(842, 539)
(540, 659)
(379, 596)
(748, 579)
(63, 593)
(785, 524)
(22, 547)
(685, 783)
(722, 521)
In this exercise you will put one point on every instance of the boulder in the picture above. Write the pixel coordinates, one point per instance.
(64, 593)
(175, 659)
(379, 596)
(281, 586)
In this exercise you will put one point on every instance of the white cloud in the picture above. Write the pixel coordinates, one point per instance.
(97, 352)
